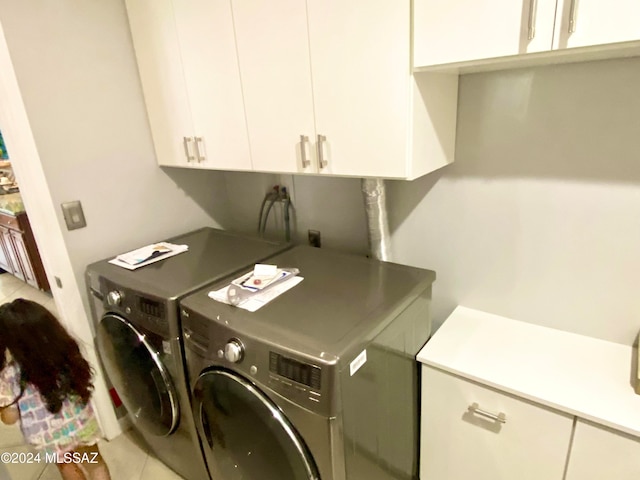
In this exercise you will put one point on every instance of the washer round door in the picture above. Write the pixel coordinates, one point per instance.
(136, 370)
(244, 434)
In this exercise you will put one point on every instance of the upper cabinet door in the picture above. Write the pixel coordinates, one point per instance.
(595, 22)
(463, 30)
(160, 65)
(360, 63)
(209, 57)
(273, 52)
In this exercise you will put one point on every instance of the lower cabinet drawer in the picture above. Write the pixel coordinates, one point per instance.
(599, 453)
(469, 431)
(9, 221)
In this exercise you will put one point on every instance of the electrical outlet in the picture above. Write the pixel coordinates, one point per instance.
(314, 238)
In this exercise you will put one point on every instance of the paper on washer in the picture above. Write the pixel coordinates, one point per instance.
(147, 255)
(257, 300)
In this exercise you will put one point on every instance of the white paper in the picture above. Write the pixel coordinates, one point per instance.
(250, 282)
(263, 270)
(257, 300)
(147, 255)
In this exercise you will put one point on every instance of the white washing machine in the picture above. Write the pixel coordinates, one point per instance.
(139, 339)
(321, 383)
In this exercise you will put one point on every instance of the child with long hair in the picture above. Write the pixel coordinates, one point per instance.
(45, 383)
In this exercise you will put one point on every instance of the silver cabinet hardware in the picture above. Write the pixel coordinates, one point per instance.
(186, 141)
(304, 141)
(321, 160)
(474, 408)
(573, 13)
(533, 7)
(199, 156)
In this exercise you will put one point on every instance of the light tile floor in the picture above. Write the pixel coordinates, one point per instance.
(126, 455)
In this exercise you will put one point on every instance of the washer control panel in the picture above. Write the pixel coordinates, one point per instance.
(141, 310)
(301, 379)
(234, 350)
(114, 298)
(294, 370)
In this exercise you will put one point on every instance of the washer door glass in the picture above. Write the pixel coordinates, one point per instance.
(245, 434)
(142, 381)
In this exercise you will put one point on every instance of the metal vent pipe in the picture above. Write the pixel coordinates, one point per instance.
(375, 204)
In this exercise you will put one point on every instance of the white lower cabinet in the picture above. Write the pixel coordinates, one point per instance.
(469, 431)
(599, 453)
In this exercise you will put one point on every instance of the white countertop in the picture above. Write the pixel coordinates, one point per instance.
(580, 375)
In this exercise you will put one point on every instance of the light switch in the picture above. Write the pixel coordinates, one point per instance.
(73, 215)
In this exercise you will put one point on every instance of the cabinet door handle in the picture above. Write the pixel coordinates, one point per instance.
(321, 160)
(573, 13)
(186, 141)
(533, 7)
(199, 157)
(304, 141)
(474, 408)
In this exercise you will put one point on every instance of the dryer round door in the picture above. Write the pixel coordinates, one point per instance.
(244, 434)
(136, 370)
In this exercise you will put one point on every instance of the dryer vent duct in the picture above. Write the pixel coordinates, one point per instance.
(375, 204)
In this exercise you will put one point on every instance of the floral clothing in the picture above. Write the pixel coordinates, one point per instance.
(72, 426)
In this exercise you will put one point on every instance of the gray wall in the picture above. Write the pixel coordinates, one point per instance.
(333, 206)
(538, 218)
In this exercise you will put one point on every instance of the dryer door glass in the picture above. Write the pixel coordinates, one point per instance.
(135, 368)
(244, 434)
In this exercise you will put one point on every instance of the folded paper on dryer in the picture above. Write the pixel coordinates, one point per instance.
(249, 296)
(147, 255)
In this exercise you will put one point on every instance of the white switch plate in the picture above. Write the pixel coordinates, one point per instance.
(73, 215)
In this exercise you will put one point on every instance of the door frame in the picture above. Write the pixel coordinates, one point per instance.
(47, 231)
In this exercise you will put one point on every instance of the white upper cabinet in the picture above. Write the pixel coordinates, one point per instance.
(189, 71)
(582, 23)
(360, 61)
(160, 65)
(208, 47)
(273, 52)
(463, 30)
(466, 33)
(319, 87)
(328, 90)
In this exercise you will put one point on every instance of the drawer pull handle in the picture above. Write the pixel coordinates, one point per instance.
(474, 408)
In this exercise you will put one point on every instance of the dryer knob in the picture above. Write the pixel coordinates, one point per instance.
(233, 351)
(114, 298)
